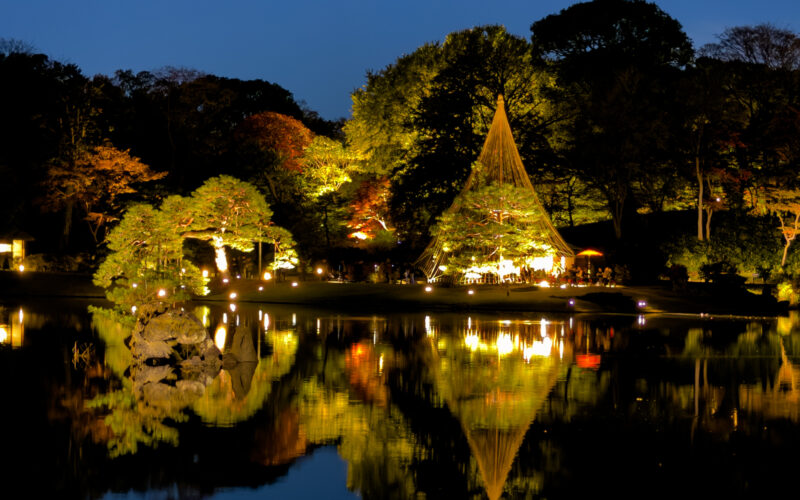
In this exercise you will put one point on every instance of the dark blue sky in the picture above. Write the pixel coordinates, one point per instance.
(319, 50)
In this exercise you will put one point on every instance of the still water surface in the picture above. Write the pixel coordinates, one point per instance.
(326, 405)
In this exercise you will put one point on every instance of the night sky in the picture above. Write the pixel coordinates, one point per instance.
(319, 50)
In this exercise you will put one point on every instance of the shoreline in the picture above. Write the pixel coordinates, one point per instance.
(698, 299)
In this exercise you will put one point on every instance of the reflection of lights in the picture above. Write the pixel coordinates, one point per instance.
(505, 322)
(428, 330)
(219, 337)
(504, 344)
(233, 307)
(260, 314)
(538, 348)
(294, 319)
(469, 322)
(162, 293)
(429, 289)
(543, 328)
(380, 364)
(206, 311)
(233, 295)
(3, 334)
(224, 317)
(561, 350)
(640, 320)
(237, 320)
(472, 341)
(570, 322)
(21, 316)
(318, 326)
(266, 322)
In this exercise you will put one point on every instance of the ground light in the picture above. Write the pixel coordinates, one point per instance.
(261, 289)
(319, 270)
(162, 293)
(294, 284)
(21, 268)
(233, 295)
(429, 289)
(267, 276)
(470, 292)
(641, 304)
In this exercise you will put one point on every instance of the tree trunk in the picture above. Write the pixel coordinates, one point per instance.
(67, 224)
(785, 252)
(699, 199)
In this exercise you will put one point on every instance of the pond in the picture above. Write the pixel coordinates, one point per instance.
(315, 404)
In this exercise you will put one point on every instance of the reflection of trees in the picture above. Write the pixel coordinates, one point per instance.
(495, 379)
(235, 395)
(346, 402)
(134, 420)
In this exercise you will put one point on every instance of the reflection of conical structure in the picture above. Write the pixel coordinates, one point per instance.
(501, 165)
(495, 398)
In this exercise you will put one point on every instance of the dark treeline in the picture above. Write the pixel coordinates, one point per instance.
(680, 155)
(181, 125)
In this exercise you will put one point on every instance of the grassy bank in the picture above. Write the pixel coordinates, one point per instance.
(368, 297)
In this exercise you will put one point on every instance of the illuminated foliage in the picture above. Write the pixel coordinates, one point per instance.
(146, 257)
(489, 225)
(230, 213)
(370, 209)
(327, 168)
(785, 205)
(97, 182)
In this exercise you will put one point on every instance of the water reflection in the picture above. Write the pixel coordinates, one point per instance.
(467, 406)
(12, 326)
(494, 377)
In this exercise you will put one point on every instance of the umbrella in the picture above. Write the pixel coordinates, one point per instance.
(589, 253)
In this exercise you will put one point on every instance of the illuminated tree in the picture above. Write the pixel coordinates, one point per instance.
(327, 165)
(146, 257)
(489, 228)
(97, 182)
(370, 209)
(230, 213)
(785, 205)
(272, 144)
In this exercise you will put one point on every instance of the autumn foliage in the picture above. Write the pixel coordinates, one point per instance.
(282, 134)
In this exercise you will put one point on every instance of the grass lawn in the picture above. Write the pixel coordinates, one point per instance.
(369, 297)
